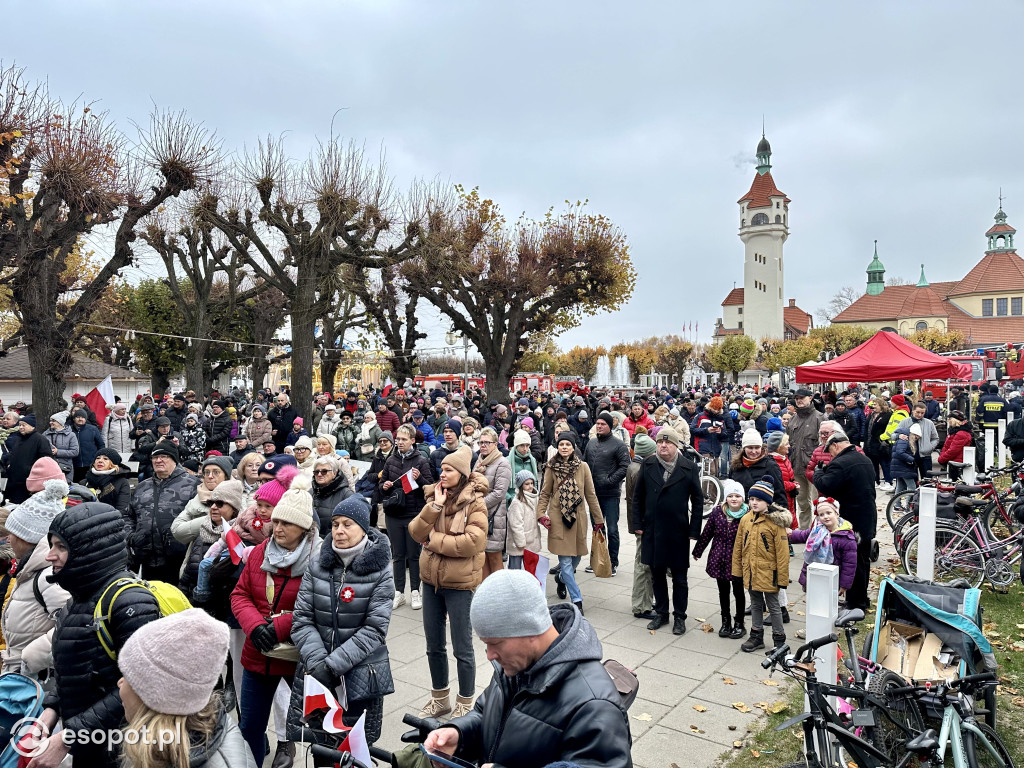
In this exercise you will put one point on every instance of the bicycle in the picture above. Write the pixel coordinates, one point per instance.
(973, 744)
(421, 729)
(710, 485)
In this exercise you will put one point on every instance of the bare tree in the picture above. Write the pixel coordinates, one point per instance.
(392, 306)
(263, 314)
(843, 298)
(66, 171)
(343, 314)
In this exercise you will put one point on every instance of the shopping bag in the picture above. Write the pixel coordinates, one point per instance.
(600, 560)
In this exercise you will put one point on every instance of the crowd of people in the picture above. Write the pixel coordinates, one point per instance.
(296, 559)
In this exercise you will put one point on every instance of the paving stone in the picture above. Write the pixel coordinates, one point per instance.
(664, 687)
(628, 657)
(636, 635)
(640, 708)
(715, 722)
(685, 663)
(660, 747)
(708, 643)
(749, 691)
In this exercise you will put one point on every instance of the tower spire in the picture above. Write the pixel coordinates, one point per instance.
(922, 281)
(876, 275)
(764, 153)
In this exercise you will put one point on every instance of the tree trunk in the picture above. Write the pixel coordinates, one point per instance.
(195, 367)
(401, 366)
(160, 381)
(328, 372)
(49, 365)
(303, 323)
(498, 371)
(260, 368)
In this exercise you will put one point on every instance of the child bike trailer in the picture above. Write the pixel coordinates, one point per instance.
(21, 697)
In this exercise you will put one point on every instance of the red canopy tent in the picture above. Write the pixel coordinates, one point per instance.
(885, 356)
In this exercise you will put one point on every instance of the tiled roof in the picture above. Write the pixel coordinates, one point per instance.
(735, 297)
(761, 192)
(886, 305)
(1000, 228)
(797, 319)
(1000, 271)
(15, 367)
(922, 302)
(722, 331)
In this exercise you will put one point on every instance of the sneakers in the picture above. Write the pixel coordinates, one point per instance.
(438, 704)
(415, 600)
(463, 706)
(615, 569)
(400, 600)
(588, 569)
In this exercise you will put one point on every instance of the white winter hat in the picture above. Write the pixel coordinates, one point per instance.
(752, 439)
(31, 520)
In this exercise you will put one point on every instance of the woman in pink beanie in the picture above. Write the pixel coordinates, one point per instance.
(44, 469)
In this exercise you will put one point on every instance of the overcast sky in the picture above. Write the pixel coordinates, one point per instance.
(890, 120)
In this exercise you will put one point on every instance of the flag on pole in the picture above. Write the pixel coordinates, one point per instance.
(315, 696)
(537, 565)
(234, 542)
(388, 386)
(408, 483)
(100, 397)
(355, 742)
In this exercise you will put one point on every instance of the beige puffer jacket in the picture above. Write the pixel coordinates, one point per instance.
(27, 626)
(760, 555)
(453, 561)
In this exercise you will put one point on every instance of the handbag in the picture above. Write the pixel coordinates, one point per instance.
(365, 448)
(600, 559)
(395, 498)
(285, 651)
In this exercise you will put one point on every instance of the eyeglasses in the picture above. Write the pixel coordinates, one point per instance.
(487, 442)
(303, 450)
(212, 472)
(324, 472)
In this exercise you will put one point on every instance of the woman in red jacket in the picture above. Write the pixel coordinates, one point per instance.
(638, 417)
(263, 600)
(958, 437)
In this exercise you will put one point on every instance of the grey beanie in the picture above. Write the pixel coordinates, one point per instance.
(61, 418)
(522, 476)
(167, 680)
(509, 603)
(231, 493)
(31, 520)
(223, 463)
(355, 508)
(773, 440)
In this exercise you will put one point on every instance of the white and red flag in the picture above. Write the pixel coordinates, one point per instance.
(100, 397)
(355, 741)
(316, 696)
(234, 542)
(408, 483)
(537, 565)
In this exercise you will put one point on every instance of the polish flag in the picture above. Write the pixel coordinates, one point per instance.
(333, 724)
(316, 696)
(355, 741)
(100, 397)
(537, 565)
(408, 483)
(388, 386)
(234, 542)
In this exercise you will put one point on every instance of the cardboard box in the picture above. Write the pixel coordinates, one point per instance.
(928, 666)
(900, 647)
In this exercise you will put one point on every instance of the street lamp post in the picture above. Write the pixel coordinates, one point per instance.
(450, 338)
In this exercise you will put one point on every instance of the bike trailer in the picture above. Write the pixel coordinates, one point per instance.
(20, 697)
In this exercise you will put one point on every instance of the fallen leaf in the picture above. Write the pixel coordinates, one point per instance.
(653, 632)
(737, 744)
(778, 706)
(695, 729)
(642, 717)
(772, 683)
(1018, 701)
(851, 764)
(800, 613)
(700, 707)
(701, 618)
(707, 627)
(732, 727)
(1020, 626)
(728, 681)
(739, 705)
(755, 753)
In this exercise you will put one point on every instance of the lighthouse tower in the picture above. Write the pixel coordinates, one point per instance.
(764, 227)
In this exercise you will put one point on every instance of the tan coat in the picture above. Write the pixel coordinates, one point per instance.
(760, 555)
(27, 625)
(569, 542)
(453, 561)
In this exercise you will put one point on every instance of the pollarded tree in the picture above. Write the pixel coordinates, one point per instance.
(392, 309)
(65, 172)
(499, 284)
(733, 355)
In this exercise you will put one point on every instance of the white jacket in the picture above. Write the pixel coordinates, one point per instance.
(115, 435)
(328, 426)
(523, 528)
(27, 626)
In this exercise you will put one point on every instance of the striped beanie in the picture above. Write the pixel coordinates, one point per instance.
(763, 489)
(747, 407)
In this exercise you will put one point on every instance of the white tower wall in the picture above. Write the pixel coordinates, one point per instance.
(763, 272)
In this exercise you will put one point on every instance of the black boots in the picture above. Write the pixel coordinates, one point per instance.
(679, 626)
(726, 630)
(754, 642)
(580, 606)
(785, 615)
(778, 640)
(738, 630)
(659, 622)
(560, 589)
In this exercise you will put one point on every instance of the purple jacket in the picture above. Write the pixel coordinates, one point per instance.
(720, 531)
(844, 554)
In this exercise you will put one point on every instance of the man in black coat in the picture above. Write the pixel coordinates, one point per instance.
(31, 447)
(218, 428)
(282, 416)
(88, 554)
(608, 459)
(849, 478)
(668, 496)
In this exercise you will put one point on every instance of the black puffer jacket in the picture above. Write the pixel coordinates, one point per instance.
(218, 433)
(86, 696)
(747, 476)
(154, 506)
(396, 466)
(342, 615)
(563, 708)
(114, 489)
(608, 458)
(327, 497)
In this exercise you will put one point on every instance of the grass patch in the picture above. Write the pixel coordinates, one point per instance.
(769, 748)
(1003, 615)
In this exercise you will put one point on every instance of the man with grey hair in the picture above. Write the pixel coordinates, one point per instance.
(550, 699)
(803, 437)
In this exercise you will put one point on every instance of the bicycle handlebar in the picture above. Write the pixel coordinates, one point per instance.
(774, 656)
(814, 645)
(981, 677)
(969, 681)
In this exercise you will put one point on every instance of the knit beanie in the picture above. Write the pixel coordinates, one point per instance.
(276, 463)
(304, 442)
(527, 422)
(231, 493)
(509, 603)
(110, 453)
(221, 462)
(607, 419)
(773, 440)
(669, 434)
(751, 439)
(521, 438)
(31, 519)
(747, 407)
(356, 508)
(825, 501)
(388, 435)
(461, 460)
(296, 504)
(272, 491)
(522, 476)
(643, 446)
(566, 435)
(730, 487)
(61, 418)
(763, 489)
(898, 401)
(44, 469)
(166, 448)
(28, 418)
(167, 680)
(774, 425)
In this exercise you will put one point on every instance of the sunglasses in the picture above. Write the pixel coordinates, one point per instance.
(217, 504)
(323, 472)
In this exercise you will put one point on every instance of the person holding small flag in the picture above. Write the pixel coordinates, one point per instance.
(340, 621)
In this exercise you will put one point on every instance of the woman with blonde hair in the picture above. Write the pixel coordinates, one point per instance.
(165, 691)
(248, 471)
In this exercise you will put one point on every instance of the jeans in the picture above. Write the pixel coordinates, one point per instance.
(404, 550)
(880, 463)
(680, 591)
(567, 567)
(202, 589)
(643, 591)
(759, 601)
(736, 587)
(724, 459)
(453, 604)
(257, 698)
(515, 562)
(610, 511)
(905, 484)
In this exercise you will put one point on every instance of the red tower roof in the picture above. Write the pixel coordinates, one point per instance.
(761, 192)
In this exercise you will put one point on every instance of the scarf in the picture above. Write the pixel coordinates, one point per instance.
(737, 514)
(103, 472)
(668, 466)
(348, 555)
(486, 461)
(364, 431)
(569, 496)
(750, 462)
(460, 517)
(819, 543)
(276, 558)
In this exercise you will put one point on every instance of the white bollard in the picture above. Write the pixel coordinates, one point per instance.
(969, 474)
(926, 533)
(990, 448)
(822, 611)
(1002, 448)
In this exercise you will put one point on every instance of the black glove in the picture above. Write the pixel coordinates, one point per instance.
(323, 674)
(264, 637)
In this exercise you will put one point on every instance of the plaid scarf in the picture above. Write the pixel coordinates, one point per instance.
(569, 496)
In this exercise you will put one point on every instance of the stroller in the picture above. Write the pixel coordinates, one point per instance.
(21, 698)
(951, 613)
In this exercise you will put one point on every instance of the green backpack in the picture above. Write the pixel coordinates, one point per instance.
(169, 598)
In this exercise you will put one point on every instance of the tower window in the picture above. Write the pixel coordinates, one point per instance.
(778, 219)
(740, 309)
(986, 307)
(777, 203)
(1001, 307)
(921, 326)
(759, 219)
(741, 325)
(1015, 306)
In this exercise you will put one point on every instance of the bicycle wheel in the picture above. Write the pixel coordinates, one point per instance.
(979, 755)
(957, 556)
(1000, 524)
(901, 529)
(898, 506)
(711, 487)
(904, 709)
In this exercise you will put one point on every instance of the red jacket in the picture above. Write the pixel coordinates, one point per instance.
(250, 606)
(788, 482)
(645, 421)
(388, 421)
(953, 448)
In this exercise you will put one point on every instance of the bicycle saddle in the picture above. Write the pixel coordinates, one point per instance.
(849, 617)
(935, 473)
(969, 506)
(923, 743)
(968, 490)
